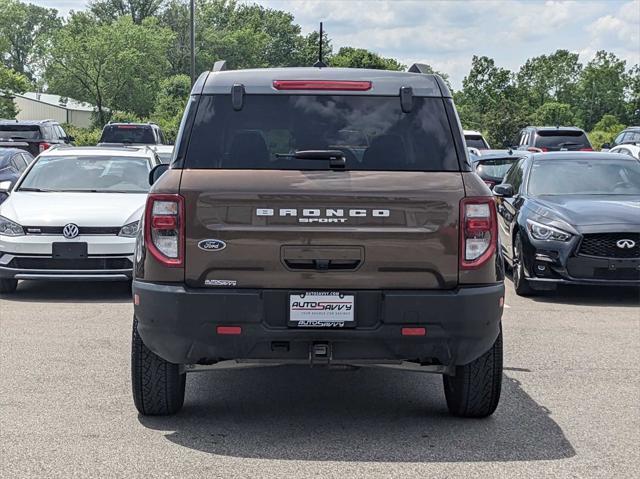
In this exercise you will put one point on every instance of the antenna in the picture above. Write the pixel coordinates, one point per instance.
(320, 63)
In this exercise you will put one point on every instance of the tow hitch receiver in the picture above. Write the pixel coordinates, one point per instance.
(320, 354)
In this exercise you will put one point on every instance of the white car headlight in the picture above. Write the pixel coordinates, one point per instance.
(543, 232)
(10, 228)
(129, 230)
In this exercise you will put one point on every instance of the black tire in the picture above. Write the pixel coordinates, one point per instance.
(520, 283)
(474, 391)
(8, 285)
(158, 385)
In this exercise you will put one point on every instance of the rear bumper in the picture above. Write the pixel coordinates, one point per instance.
(179, 324)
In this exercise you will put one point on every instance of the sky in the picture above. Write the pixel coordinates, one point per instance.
(446, 34)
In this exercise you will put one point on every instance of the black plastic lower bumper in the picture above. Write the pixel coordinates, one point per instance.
(180, 325)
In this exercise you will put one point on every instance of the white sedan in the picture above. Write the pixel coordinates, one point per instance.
(74, 215)
(631, 149)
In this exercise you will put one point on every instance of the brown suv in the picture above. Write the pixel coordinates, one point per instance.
(319, 216)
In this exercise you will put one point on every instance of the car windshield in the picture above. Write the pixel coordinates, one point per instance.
(585, 177)
(372, 133)
(475, 141)
(19, 132)
(127, 134)
(100, 174)
(559, 139)
(495, 167)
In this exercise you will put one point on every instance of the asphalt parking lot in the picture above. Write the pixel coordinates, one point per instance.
(570, 404)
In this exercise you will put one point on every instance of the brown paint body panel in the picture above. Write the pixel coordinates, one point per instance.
(401, 228)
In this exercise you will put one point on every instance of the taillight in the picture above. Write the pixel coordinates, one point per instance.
(164, 228)
(478, 231)
(43, 146)
(586, 149)
(535, 149)
(340, 85)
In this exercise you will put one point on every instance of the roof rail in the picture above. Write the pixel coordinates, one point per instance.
(220, 66)
(420, 68)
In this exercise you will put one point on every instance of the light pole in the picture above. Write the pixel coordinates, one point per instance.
(192, 31)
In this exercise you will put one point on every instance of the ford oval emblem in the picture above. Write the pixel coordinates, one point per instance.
(212, 245)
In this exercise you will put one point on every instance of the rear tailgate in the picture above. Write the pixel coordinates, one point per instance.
(322, 229)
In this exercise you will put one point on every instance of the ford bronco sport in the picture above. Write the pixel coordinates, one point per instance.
(319, 216)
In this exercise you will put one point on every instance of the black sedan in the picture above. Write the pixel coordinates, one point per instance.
(13, 162)
(571, 217)
(492, 165)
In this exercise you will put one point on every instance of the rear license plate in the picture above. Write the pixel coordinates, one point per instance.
(322, 310)
(69, 250)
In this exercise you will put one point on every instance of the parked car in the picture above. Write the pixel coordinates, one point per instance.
(32, 136)
(74, 215)
(131, 134)
(13, 162)
(492, 165)
(270, 241)
(553, 138)
(630, 134)
(630, 149)
(165, 152)
(571, 217)
(474, 139)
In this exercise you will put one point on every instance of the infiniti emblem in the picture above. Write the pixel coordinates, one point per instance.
(625, 244)
(70, 231)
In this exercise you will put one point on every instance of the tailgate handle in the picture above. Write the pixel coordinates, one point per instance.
(323, 264)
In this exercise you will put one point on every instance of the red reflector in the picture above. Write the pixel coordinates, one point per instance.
(321, 85)
(586, 149)
(229, 330)
(136, 299)
(164, 222)
(414, 331)
(501, 301)
(478, 224)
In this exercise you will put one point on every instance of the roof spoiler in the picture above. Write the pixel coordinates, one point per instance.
(427, 70)
(220, 66)
(419, 68)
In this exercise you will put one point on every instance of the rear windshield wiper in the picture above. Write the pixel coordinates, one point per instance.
(336, 157)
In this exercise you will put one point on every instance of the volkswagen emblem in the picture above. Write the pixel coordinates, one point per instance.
(70, 231)
(625, 244)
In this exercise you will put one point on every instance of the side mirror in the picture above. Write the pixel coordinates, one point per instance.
(503, 189)
(71, 138)
(5, 186)
(605, 146)
(157, 172)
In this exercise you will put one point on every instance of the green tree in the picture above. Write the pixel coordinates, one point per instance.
(245, 35)
(633, 95)
(601, 89)
(349, 57)
(138, 10)
(489, 101)
(549, 78)
(554, 114)
(10, 82)
(115, 66)
(25, 30)
(173, 94)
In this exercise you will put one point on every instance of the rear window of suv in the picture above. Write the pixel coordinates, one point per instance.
(20, 132)
(127, 134)
(570, 139)
(372, 132)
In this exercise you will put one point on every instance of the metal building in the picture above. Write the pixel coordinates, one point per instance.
(44, 106)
